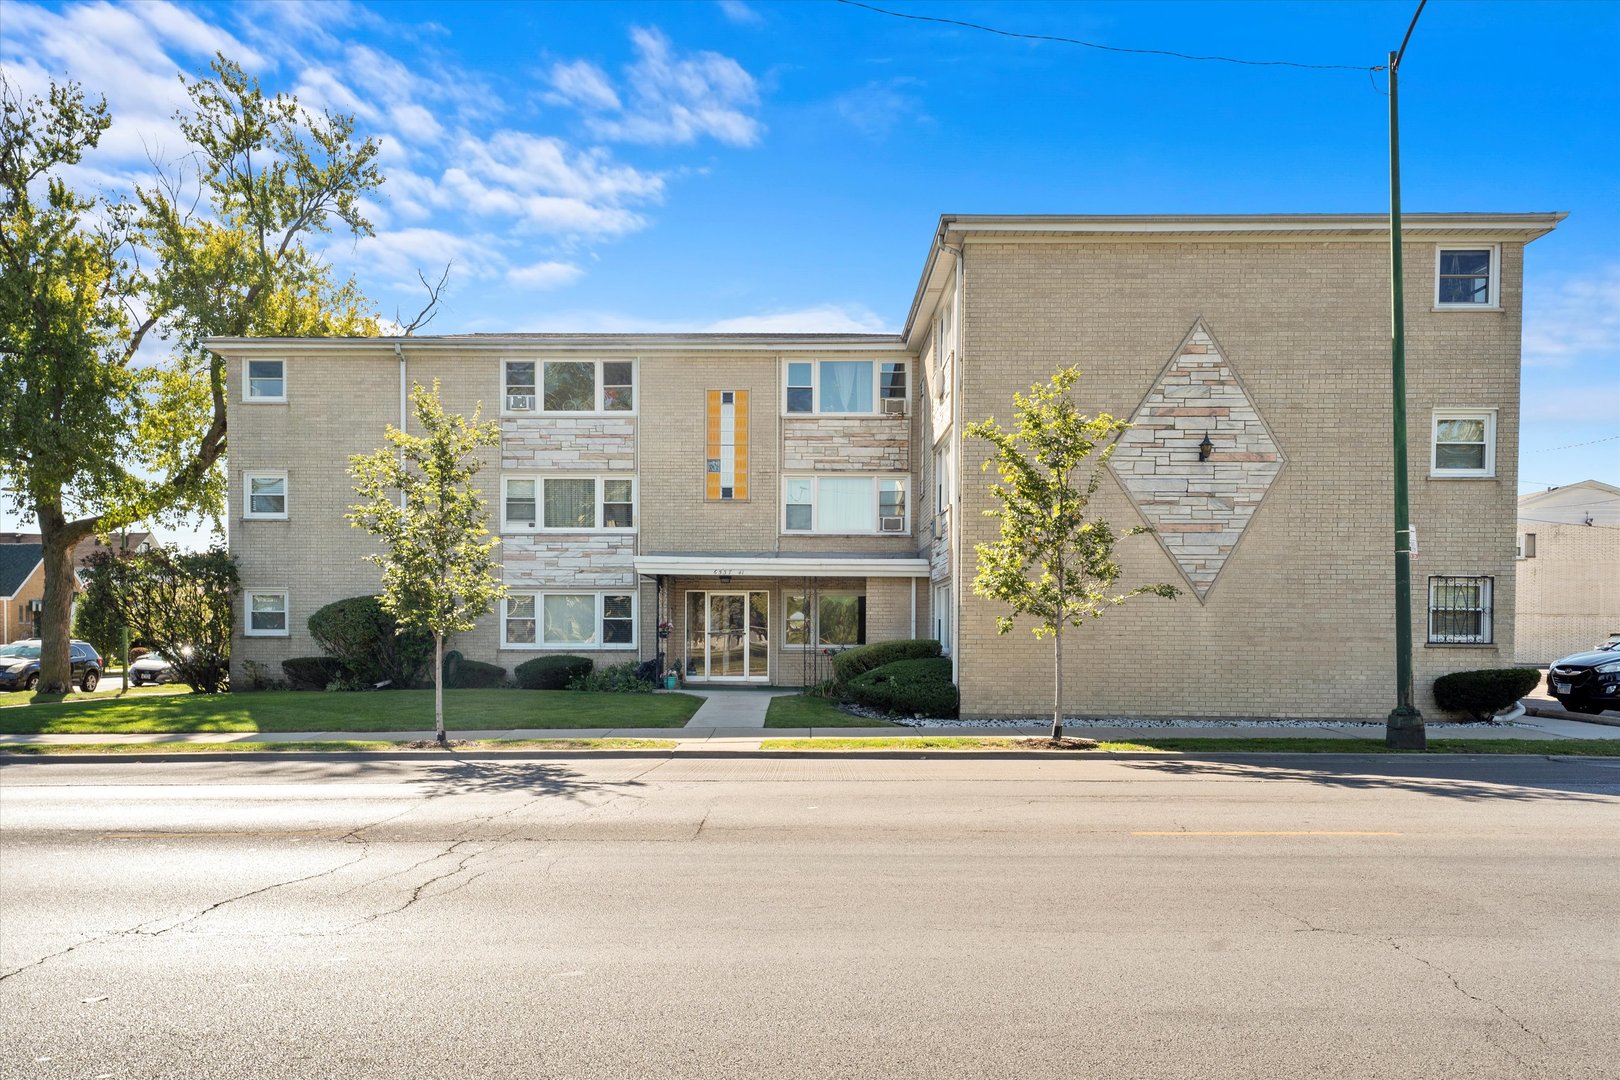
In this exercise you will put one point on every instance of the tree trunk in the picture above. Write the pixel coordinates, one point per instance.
(438, 690)
(57, 536)
(1057, 683)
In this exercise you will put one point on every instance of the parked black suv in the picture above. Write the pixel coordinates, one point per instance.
(19, 665)
(1587, 682)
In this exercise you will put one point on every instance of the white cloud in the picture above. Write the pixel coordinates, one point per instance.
(544, 275)
(397, 255)
(740, 13)
(581, 84)
(821, 319)
(672, 98)
(877, 108)
(1574, 319)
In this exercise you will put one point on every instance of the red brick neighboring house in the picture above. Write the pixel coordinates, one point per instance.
(22, 576)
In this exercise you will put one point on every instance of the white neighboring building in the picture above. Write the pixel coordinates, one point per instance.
(1568, 570)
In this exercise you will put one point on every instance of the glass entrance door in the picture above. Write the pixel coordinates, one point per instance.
(728, 636)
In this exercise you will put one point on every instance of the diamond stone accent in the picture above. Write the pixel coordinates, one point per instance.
(1198, 509)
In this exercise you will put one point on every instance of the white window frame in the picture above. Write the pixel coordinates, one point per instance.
(539, 525)
(599, 405)
(248, 396)
(813, 618)
(1493, 296)
(1487, 611)
(248, 512)
(815, 503)
(247, 613)
(815, 363)
(1462, 413)
(506, 387)
(940, 609)
(594, 645)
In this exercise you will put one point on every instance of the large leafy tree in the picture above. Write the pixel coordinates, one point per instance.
(1053, 560)
(179, 601)
(418, 499)
(99, 432)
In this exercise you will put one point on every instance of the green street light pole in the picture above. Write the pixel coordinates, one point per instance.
(1404, 729)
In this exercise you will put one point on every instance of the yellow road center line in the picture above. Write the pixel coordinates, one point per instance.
(1257, 833)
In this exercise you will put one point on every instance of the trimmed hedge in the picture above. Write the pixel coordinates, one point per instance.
(916, 687)
(1482, 693)
(312, 672)
(474, 675)
(369, 642)
(863, 658)
(551, 672)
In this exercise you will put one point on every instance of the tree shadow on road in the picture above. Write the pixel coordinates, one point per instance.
(1472, 780)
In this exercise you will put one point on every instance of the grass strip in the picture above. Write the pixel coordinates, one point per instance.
(1538, 747)
(342, 747)
(381, 710)
(809, 711)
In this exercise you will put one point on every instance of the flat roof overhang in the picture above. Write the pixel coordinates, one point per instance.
(724, 566)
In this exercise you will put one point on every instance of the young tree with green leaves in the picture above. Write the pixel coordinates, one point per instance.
(179, 601)
(1052, 562)
(99, 434)
(418, 499)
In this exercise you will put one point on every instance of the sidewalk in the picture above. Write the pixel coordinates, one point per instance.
(745, 737)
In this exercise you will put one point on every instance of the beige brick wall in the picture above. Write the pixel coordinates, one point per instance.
(1299, 622)
(1569, 594)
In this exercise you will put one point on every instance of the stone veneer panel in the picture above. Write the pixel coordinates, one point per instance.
(1198, 509)
(558, 444)
(589, 562)
(846, 444)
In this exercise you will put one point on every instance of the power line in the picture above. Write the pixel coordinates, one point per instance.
(1573, 445)
(1110, 48)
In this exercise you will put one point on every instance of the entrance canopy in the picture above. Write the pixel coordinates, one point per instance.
(789, 565)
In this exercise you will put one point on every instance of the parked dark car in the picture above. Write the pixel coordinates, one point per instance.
(1587, 682)
(19, 665)
(151, 668)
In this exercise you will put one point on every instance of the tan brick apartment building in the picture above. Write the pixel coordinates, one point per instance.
(765, 498)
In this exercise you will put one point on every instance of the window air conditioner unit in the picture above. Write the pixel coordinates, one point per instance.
(520, 403)
(894, 406)
(892, 524)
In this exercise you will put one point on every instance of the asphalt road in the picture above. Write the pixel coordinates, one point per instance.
(750, 917)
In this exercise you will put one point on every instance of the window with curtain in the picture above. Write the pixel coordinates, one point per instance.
(845, 504)
(570, 504)
(520, 502)
(1464, 443)
(569, 618)
(846, 386)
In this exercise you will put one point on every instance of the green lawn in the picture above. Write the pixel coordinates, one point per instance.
(385, 710)
(806, 711)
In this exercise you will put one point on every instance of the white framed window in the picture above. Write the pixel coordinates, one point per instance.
(845, 504)
(569, 620)
(264, 613)
(567, 503)
(836, 620)
(1527, 545)
(1463, 443)
(264, 496)
(942, 616)
(568, 387)
(265, 382)
(1468, 277)
(1460, 610)
(837, 387)
(944, 489)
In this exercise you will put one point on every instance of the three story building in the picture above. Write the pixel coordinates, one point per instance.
(743, 504)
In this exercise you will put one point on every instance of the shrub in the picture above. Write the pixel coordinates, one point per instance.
(920, 686)
(614, 679)
(178, 602)
(1481, 693)
(551, 672)
(475, 675)
(311, 672)
(862, 658)
(358, 632)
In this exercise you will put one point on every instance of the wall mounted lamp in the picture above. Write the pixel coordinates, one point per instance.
(1205, 449)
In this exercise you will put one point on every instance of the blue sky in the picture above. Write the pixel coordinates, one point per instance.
(751, 165)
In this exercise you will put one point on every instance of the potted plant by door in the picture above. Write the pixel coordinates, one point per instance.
(672, 679)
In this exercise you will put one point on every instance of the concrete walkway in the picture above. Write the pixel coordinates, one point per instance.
(732, 708)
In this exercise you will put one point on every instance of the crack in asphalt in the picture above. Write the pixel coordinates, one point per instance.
(1310, 927)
